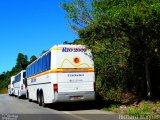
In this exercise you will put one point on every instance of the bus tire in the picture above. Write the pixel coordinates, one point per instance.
(18, 95)
(30, 100)
(43, 104)
(27, 94)
(40, 99)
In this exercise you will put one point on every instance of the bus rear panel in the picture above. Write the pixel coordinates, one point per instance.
(19, 84)
(75, 76)
(10, 85)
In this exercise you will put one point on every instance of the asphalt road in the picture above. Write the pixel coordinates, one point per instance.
(12, 108)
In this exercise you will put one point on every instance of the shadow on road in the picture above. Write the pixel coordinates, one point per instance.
(74, 106)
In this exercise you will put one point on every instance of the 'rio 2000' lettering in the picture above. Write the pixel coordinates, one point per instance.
(65, 49)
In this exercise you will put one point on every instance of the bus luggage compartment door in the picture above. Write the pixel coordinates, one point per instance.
(75, 82)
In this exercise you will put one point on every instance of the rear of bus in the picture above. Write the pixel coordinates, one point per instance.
(23, 83)
(11, 88)
(75, 73)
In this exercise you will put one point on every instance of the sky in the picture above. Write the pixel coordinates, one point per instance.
(29, 27)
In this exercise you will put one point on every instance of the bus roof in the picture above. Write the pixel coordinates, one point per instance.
(55, 47)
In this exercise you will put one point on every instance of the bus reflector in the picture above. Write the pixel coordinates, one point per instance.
(55, 87)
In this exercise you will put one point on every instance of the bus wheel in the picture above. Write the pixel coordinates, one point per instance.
(18, 95)
(27, 95)
(43, 104)
(40, 100)
(30, 100)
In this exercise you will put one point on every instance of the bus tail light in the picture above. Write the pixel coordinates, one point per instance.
(55, 87)
(21, 87)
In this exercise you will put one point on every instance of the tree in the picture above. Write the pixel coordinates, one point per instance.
(66, 42)
(79, 13)
(139, 21)
(43, 52)
(108, 55)
(33, 58)
(126, 33)
(22, 62)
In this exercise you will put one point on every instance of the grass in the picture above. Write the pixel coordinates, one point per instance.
(3, 91)
(112, 107)
(143, 109)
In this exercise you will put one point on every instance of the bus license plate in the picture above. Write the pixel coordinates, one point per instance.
(75, 97)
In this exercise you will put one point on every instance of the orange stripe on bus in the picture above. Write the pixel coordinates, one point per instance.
(67, 70)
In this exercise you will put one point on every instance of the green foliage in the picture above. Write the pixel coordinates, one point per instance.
(79, 13)
(125, 40)
(3, 91)
(110, 66)
(143, 110)
(33, 58)
(21, 64)
(66, 42)
(112, 107)
(43, 52)
(4, 77)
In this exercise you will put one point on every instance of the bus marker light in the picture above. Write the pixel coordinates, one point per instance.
(76, 60)
(55, 87)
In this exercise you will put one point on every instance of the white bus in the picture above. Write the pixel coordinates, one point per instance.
(10, 86)
(19, 84)
(65, 73)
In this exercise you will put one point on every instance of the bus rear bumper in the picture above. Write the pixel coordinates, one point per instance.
(23, 93)
(74, 96)
(11, 91)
